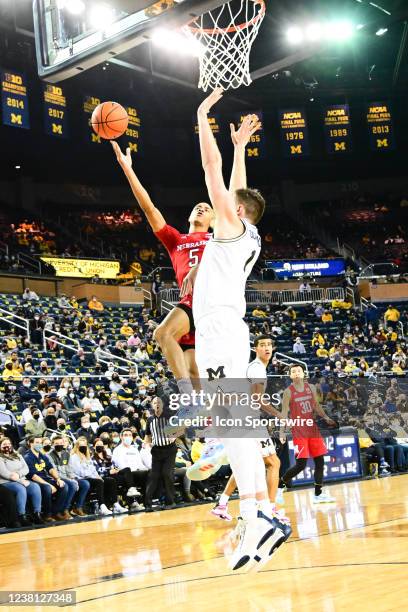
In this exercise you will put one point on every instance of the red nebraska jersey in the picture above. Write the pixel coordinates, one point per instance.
(302, 405)
(185, 251)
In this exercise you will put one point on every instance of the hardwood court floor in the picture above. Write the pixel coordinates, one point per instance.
(349, 556)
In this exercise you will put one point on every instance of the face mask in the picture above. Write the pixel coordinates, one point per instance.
(72, 395)
(12, 387)
(91, 394)
(127, 440)
(6, 449)
(38, 447)
(47, 448)
(116, 440)
(58, 448)
(36, 416)
(142, 392)
(61, 427)
(66, 385)
(82, 449)
(76, 385)
(99, 449)
(114, 402)
(26, 384)
(137, 402)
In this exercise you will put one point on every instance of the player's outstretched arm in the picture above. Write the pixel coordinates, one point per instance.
(240, 138)
(153, 214)
(221, 199)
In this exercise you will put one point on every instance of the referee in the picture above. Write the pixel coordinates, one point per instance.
(164, 452)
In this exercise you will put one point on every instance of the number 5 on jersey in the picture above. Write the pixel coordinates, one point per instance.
(193, 257)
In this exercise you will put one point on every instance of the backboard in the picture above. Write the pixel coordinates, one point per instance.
(74, 35)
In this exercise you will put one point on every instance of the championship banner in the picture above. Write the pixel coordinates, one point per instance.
(214, 122)
(297, 268)
(83, 268)
(55, 111)
(380, 127)
(89, 105)
(337, 128)
(256, 147)
(14, 100)
(133, 132)
(294, 133)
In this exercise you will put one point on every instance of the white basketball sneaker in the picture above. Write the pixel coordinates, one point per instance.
(323, 498)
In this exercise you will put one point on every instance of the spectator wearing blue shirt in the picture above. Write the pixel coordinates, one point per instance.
(54, 490)
(27, 392)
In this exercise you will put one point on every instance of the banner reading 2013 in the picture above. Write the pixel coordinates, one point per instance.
(14, 100)
(380, 127)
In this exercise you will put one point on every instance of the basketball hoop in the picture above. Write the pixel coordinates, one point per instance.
(225, 36)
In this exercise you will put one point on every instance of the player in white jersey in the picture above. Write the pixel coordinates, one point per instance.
(222, 337)
(257, 376)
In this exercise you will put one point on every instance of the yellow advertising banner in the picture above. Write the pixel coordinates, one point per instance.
(86, 268)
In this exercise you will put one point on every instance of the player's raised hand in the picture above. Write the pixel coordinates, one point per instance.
(248, 127)
(125, 161)
(207, 104)
(187, 285)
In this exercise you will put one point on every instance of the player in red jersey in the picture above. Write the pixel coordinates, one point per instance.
(175, 334)
(300, 401)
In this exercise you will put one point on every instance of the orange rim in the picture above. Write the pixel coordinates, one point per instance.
(234, 28)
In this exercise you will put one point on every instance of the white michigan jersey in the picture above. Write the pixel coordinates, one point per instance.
(223, 272)
(256, 373)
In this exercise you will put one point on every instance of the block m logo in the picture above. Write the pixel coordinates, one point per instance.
(382, 143)
(296, 149)
(56, 128)
(339, 146)
(18, 119)
(218, 373)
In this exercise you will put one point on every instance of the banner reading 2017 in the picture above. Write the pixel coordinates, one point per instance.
(55, 111)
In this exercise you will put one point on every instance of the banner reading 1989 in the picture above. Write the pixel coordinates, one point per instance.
(337, 128)
(55, 111)
(256, 146)
(90, 103)
(14, 100)
(380, 126)
(133, 132)
(294, 133)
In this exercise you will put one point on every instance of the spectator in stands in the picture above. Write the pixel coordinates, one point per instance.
(63, 302)
(72, 400)
(327, 317)
(30, 296)
(126, 329)
(317, 338)
(13, 476)
(289, 312)
(35, 426)
(132, 464)
(119, 349)
(58, 370)
(299, 347)
(83, 467)
(27, 391)
(85, 430)
(141, 353)
(259, 313)
(321, 352)
(54, 491)
(318, 310)
(304, 287)
(10, 374)
(106, 469)
(73, 302)
(91, 403)
(78, 360)
(36, 325)
(78, 487)
(95, 306)
(392, 316)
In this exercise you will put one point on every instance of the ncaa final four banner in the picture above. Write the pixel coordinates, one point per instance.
(337, 128)
(379, 120)
(14, 100)
(294, 132)
(256, 148)
(55, 111)
(214, 122)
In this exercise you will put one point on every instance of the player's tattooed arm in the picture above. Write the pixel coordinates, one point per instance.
(318, 409)
(240, 138)
(153, 214)
(187, 285)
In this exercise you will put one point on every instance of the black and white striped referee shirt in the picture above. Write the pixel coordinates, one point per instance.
(155, 428)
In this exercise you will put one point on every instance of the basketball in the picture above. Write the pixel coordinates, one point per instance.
(109, 120)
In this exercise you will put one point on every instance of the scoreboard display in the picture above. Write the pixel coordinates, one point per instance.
(55, 111)
(379, 121)
(256, 146)
(294, 132)
(341, 462)
(337, 128)
(14, 100)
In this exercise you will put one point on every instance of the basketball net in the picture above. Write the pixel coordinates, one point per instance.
(225, 36)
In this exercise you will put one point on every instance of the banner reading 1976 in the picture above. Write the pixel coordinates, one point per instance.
(14, 100)
(55, 111)
(337, 128)
(294, 133)
(380, 127)
(256, 146)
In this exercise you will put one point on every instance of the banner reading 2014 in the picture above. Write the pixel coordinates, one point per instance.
(14, 100)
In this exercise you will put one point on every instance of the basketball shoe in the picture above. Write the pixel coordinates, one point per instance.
(212, 458)
(222, 512)
(323, 498)
(269, 544)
